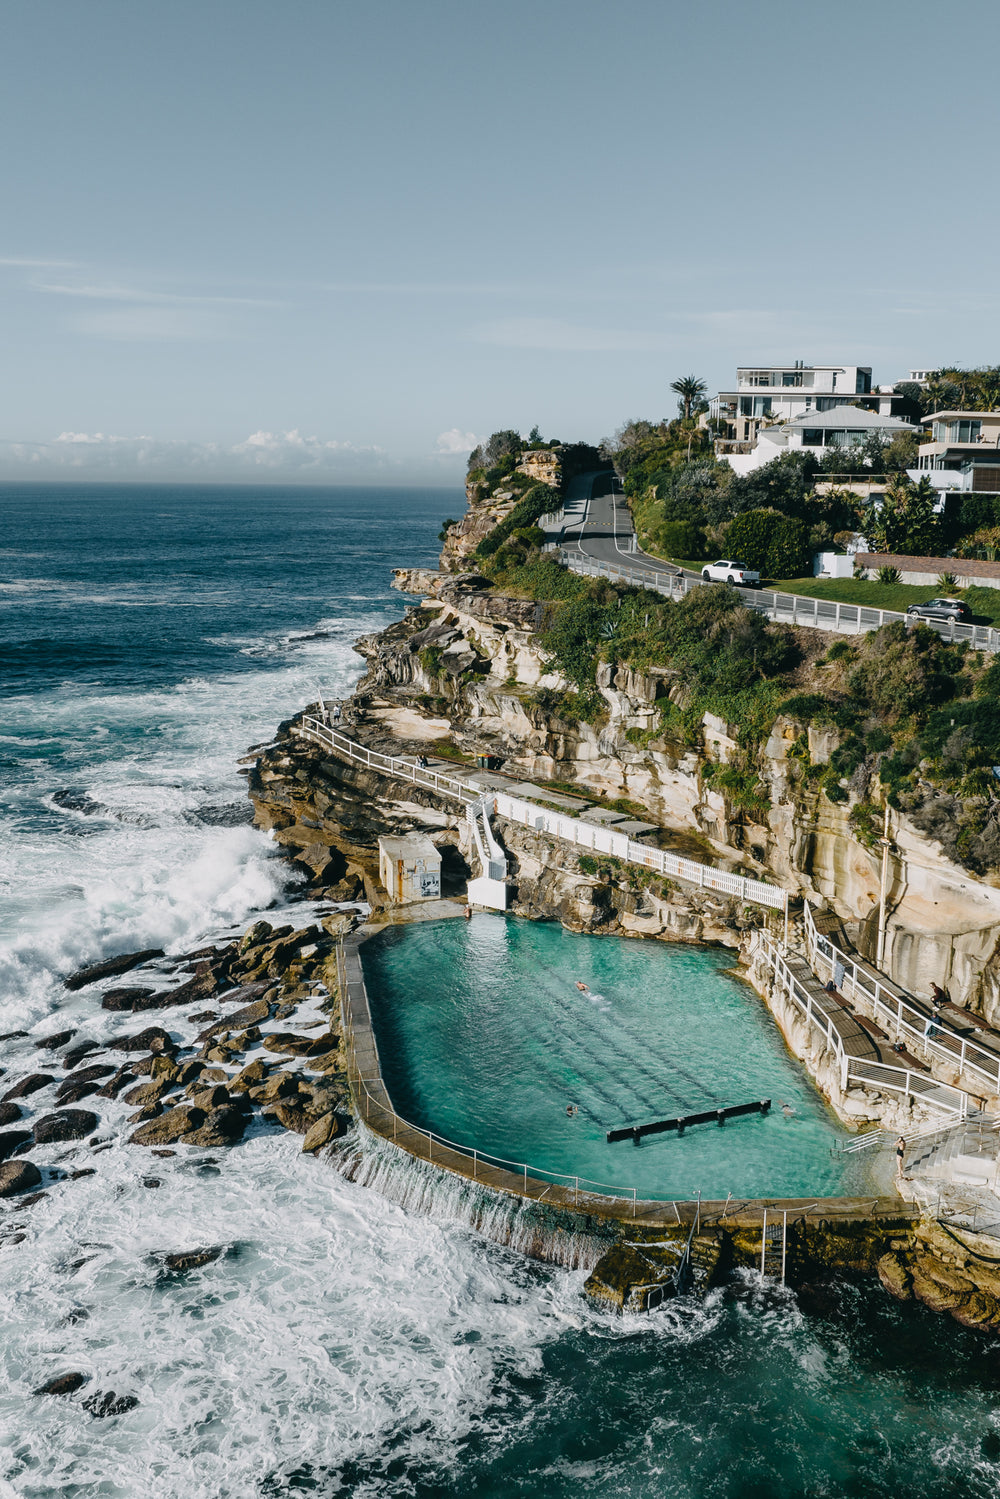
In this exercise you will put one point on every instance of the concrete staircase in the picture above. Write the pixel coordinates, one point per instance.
(966, 1153)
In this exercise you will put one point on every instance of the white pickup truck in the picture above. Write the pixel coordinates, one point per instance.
(730, 572)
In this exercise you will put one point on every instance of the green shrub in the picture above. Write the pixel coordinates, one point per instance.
(682, 538)
(525, 513)
(901, 671)
(840, 650)
(981, 600)
(775, 545)
(886, 574)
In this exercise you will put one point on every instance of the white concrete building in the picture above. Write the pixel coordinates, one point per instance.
(784, 392)
(409, 868)
(815, 432)
(963, 452)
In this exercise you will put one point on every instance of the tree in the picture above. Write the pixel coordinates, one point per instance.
(904, 521)
(691, 391)
(505, 444)
(775, 545)
(784, 484)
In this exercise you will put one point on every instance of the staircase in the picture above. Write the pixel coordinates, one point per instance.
(966, 1153)
(490, 888)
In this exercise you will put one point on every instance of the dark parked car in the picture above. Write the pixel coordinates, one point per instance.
(941, 609)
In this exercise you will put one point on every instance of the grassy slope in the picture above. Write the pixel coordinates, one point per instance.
(877, 595)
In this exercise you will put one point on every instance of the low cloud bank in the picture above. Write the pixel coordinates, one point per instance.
(272, 455)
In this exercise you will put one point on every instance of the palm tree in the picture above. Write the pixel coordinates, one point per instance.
(690, 389)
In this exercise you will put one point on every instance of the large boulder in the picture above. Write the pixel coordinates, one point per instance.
(28, 1085)
(298, 1046)
(207, 1099)
(124, 999)
(222, 1127)
(175, 1124)
(68, 1124)
(111, 967)
(146, 1093)
(291, 1117)
(18, 1176)
(326, 1128)
(9, 1113)
(252, 1076)
(153, 1038)
(73, 1092)
(10, 1141)
(76, 1054)
(53, 1043)
(63, 1384)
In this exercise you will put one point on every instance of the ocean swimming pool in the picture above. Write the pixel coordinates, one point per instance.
(486, 1039)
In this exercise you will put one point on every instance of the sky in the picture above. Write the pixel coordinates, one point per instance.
(334, 241)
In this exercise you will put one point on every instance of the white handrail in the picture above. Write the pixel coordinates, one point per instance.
(894, 1011)
(856, 1069)
(587, 836)
(793, 608)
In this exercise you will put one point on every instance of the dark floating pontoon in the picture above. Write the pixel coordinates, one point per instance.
(635, 1132)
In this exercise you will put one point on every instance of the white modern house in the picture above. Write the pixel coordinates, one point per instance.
(963, 452)
(782, 393)
(815, 432)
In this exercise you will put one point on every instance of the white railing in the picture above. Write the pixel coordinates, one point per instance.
(586, 836)
(896, 1013)
(787, 608)
(880, 1075)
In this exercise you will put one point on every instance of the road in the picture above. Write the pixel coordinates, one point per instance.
(598, 525)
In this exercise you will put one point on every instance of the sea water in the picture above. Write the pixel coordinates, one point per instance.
(342, 1344)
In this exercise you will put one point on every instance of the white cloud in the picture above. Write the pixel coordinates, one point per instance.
(457, 441)
(278, 453)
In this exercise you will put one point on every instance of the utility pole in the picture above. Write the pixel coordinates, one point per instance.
(885, 841)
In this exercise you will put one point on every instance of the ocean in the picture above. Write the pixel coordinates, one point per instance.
(343, 1344)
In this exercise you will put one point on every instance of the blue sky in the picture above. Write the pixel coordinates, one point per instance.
(336, 241)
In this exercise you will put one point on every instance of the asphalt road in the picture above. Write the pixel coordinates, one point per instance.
(599, 526)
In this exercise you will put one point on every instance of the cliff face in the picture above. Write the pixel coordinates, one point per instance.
(466, 669)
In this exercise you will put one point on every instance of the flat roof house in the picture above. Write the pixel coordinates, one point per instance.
(963, 452)
(784, 392)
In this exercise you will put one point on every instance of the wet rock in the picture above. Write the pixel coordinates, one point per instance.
(68, 1124)
(165, 999)
(172, 1125)
(188, 1071)
(222, 1127)
(75, 1176)
(147, 1093)
(250, 1014)
(165, 1154)
(18, 1176)
(63, 1384)
(151, 1181)
(11, 1140)
(164, 1070)
(111, 967)
(14, 1036)
(154, 1038)
(108, 1403)
(280, 1085)
(326, 1128)
(192, 1259)
(252, 1076)
(9, 1113)
(329, 1061)
(215, 1097)
(75, 1092)
(29, 1202)
(124, 999)
(213, 1075)
(255, 936)
(28, 1085)
(76, 1054)
(201, 1016)
(290, 1117)
(86, 1075)
(53, 1043)
(115, 1084)
(297, 1046)
(149, 1111)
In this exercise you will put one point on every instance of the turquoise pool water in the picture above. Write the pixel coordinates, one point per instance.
(486, 1039)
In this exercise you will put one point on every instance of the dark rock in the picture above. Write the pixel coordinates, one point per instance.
(75, 1315)
(192, 1259)
(124, 999)
(291, 1118)
(165, 999)
(107, 1403)
(152, 1181)
(240, 1019)
(76, 1054)
(12, 1239)
(153, 1038)
(53, 1043)
(9, 1112)
(147, 1093)
(87, 1075)
(164, 1154)
(63, 1384)
(10, 1141)
(75, 1176)
(201, 1016)
(251, 1077)
(28, 1085)
(114, 1085)
(68, 1124)
(29, 1202)
(171, 1126)
(149, 1111)
(18, 1176)
(75, 1092)
(222, 1127)
(13, 1035)
(123, 963)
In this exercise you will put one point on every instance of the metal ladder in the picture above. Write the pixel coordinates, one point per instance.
(774, 1247)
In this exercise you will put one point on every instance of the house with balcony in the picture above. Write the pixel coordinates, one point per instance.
(963, 452)
(816, 432)
(782, 393)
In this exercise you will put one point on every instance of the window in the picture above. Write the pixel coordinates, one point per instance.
(963, 431)
(759, 377)
(792, 377)
(863, 383)
(755, 405)
(830, 403)
(812, 437)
